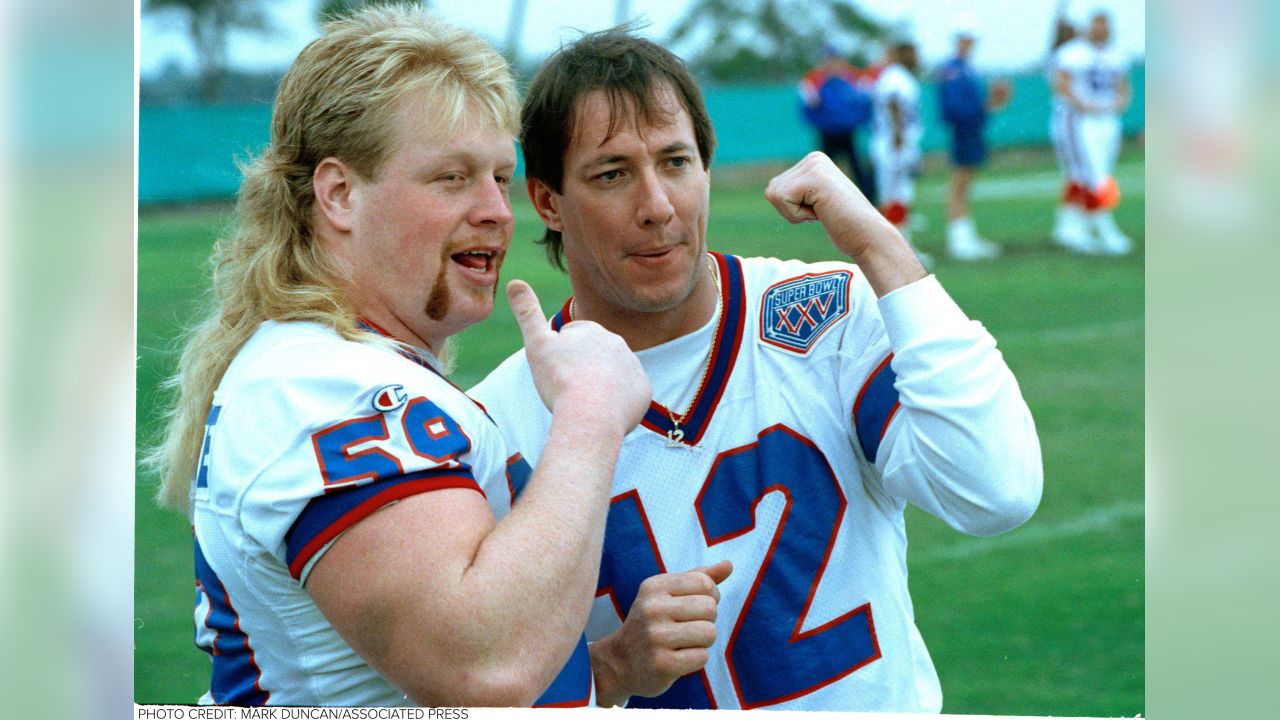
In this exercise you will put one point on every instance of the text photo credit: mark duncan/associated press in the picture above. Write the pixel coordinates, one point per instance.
(183, 712)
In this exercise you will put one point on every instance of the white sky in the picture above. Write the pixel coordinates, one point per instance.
(1014, 33)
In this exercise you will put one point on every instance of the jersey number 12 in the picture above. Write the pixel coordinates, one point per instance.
(769, 658)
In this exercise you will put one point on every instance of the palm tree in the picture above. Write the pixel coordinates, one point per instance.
(771, 40)
(515, 26)
(208, 22)
(337, 8)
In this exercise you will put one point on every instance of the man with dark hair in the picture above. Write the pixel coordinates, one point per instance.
(628, 96)
(798, 408)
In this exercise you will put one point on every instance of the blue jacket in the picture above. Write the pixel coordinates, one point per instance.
(835, 102)
(961, 94)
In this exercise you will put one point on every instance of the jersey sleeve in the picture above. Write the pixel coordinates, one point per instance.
(327, 446)
(941, 417)
(511, 398)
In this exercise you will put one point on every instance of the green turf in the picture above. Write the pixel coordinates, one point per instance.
(1046, 620)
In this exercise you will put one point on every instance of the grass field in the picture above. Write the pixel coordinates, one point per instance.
(1045, 620)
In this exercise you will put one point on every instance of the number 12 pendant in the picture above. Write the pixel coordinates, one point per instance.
(675, 435)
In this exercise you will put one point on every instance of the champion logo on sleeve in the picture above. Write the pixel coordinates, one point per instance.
(389, 397)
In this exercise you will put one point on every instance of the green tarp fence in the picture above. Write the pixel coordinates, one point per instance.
(190, 153)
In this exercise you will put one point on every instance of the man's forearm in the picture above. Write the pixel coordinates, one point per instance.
(538, 567)
(889, 262)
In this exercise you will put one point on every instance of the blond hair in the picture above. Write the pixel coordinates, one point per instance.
(338, 99)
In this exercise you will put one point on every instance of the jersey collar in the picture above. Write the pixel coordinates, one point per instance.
(724, 354)
(419, 357)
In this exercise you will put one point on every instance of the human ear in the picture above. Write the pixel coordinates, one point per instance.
(546, 201)
(332, 181)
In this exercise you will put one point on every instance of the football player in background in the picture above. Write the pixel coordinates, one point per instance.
(1091, 91)
(344, 553)
(835, 99)
(896, 129)
(966, 103)
(1069, 223)
(798, 408)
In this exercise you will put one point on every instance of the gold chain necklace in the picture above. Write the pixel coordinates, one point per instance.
(675, 436)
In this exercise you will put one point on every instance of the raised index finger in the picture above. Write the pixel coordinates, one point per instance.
(528, 311)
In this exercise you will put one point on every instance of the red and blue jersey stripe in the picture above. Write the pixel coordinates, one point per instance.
(236, 678)
(327, 516)
(875, 407)
(724, 354)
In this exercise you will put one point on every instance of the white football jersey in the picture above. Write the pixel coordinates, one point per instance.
(1096, 73)
(792, 439)
(307, 435)
(898, 85)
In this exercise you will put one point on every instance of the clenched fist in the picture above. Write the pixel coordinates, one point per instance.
(814, 189)
(665, 635)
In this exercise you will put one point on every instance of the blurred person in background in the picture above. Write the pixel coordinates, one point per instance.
(1069, 228)
(818, 399)
(835, 99)
(896, 131)
(965, 104)
(1091, 92)
(345, 553)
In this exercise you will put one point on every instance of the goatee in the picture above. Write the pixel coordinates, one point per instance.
(438, 302)
(440, 299)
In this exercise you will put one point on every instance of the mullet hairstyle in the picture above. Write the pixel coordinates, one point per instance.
(338, 99)
(631, 71)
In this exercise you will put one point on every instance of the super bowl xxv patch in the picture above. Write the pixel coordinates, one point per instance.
(796, 312)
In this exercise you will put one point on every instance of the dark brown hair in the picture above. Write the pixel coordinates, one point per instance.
(629, 69)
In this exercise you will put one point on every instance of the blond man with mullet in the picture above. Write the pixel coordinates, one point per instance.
(344, 552)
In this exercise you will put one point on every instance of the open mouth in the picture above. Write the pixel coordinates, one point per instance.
(479, 262)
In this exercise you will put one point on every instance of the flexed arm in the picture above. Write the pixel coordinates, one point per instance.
(962, 444)
(815, 190)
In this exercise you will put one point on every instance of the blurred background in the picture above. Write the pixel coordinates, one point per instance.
(209, 68)
(84, 257)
